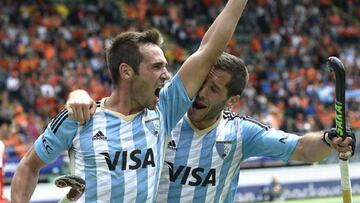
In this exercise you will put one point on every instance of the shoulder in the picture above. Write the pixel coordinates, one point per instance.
(62, 123)
(245, 122)
(229, 115)
(249, 121)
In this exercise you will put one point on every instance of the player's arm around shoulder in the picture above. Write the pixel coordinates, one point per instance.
(80, 106)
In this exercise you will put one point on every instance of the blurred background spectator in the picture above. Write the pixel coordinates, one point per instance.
(274, 191)
(48, 48)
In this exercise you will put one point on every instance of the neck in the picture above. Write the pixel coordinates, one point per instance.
(206, 123)
(122, 102)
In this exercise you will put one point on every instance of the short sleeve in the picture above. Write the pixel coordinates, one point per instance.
(56, 138)
(259, 140)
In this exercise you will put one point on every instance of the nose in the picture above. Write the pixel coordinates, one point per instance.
(165, 75)
(202, 91)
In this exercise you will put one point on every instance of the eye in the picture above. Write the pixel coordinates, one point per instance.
(213, 89)
(157, 67)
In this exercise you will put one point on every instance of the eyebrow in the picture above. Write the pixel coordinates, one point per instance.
(160, 63)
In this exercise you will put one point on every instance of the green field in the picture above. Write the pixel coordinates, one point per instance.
(355, 199)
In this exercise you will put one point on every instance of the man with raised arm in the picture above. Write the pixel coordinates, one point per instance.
(120, 152)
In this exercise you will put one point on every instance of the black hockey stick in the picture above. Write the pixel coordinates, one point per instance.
(334, 64)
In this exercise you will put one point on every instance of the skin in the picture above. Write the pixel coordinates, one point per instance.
(31, 165)
(142, 86)
(211, 100)
(311, 148)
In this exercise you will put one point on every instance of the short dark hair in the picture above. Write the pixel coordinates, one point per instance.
(238, 71)
(124, 48)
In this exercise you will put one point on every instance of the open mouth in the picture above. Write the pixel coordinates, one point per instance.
(198, 105)
(157, 92)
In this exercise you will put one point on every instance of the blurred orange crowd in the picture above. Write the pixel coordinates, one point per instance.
(48, 49)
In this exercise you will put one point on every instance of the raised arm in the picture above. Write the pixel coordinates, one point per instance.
(26, 177)
(196, 68)
(312, 147)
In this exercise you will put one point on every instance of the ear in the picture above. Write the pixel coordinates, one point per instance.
(232, 101)
(126, 72)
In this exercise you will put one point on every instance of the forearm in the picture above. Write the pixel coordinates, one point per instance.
(311, 148)
(222, 29)
(23, 184)
(25, 178)
(196, 68)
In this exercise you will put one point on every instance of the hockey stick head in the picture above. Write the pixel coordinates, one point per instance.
(334, 64)
(76, 183)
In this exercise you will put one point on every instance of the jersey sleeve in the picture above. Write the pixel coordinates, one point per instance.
(174, 103)
(56, 138)
(260, 140)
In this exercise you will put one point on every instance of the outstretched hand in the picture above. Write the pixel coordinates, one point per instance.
(344, 146)
(80, 106)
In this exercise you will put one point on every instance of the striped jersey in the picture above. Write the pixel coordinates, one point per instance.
(204, 166)
(119, 157)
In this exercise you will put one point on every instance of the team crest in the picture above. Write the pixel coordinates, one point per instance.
(223, 148)
(153, 125)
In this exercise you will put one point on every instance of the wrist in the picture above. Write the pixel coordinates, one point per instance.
(326, 139)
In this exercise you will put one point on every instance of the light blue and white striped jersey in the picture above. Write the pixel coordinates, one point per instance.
(204, 166)
(120, 157)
